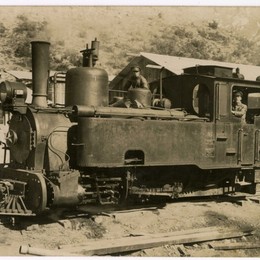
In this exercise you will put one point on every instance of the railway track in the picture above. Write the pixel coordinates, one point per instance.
(156, 224)
(92, 211)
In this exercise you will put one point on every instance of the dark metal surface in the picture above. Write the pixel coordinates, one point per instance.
(165, 143)
(142, 95)
(90, 111)
(35, 194)
(86, 86)
(13, 96)
(8, 90)
(40, 72)
(19, 138)
(39, 140)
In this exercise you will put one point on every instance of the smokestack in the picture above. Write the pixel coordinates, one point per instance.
(40, 72)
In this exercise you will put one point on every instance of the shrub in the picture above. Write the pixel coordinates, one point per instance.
(2, 28)
(23, 33)
(213, 25)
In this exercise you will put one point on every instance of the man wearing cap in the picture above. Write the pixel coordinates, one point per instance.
(239, 109)
(136, 80)
(238, 75)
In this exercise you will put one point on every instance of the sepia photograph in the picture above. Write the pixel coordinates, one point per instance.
(130, 130)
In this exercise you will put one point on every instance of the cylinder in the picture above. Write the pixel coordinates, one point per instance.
(142, 95)
(40, 72)
(86, 86)
(95, 51)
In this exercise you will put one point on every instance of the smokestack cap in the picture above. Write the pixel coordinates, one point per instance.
(40, 41)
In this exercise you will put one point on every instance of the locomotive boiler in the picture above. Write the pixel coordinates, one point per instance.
(90, 152)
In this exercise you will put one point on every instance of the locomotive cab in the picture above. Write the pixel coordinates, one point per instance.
(207, 91)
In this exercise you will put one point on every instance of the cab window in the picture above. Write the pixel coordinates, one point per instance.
(245, 103)
(201, 100)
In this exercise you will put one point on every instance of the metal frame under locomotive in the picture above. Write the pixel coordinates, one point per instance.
(90, 152)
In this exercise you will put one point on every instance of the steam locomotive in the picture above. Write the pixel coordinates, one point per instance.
(91, 152)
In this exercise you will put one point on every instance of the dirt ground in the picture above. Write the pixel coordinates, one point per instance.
(52, 231)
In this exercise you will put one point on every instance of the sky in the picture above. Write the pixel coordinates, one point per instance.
(135, 2)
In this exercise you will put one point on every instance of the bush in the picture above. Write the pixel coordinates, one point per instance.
(23, 33)
(2, 29)
(22, 50)
(180, 32)
(213, 25)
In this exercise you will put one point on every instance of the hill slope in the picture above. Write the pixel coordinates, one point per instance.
(221, 33)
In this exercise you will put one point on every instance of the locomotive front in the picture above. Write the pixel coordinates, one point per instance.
(38, 176)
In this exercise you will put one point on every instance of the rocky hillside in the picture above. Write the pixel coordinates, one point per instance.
(217, 33)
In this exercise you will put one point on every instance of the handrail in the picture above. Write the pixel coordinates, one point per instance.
(240, 145)
(257, 145)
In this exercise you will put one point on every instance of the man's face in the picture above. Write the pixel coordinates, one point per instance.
(238, 99)
(136, 73)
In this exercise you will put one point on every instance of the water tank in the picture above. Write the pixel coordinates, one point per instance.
(86, 86)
